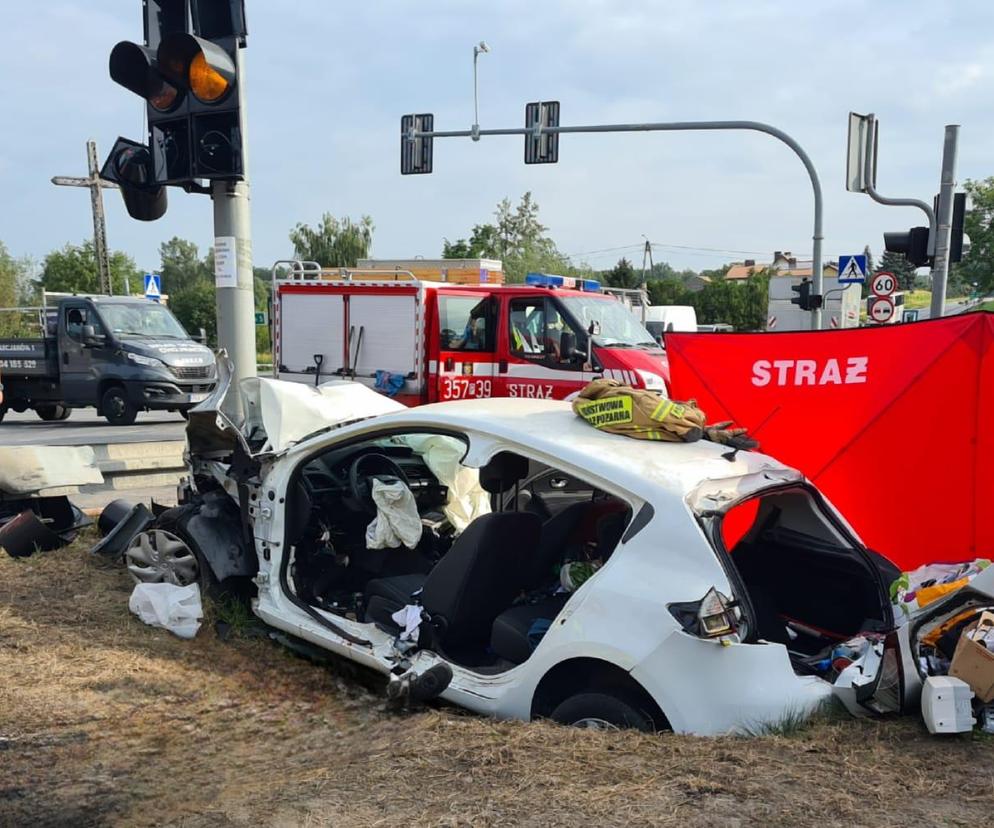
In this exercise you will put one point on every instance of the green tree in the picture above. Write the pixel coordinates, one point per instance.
(181, 266)
(622, 275)
(902, 269)
(334, 242)
(483, 243)
(194, 306)
(978, 265)
(73, 269)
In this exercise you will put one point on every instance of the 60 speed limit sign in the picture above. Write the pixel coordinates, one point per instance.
(883, 283)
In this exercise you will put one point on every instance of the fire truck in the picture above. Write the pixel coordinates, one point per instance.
(425, 341)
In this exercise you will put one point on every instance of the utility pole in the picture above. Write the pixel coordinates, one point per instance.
(96, 186)
(943, 221)
(646, 257)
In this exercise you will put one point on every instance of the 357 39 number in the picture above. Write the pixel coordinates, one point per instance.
(459, 388)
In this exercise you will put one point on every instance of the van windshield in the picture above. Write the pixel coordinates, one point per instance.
(619, 326)
(135, 319)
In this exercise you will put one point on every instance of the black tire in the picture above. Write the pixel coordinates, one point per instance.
(604, 710)
(117, 408)
(174, 521)
(3, 412)
(53, 413)
(184, 413)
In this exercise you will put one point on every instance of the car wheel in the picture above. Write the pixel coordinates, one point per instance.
(116, 407)
(53, 413)
(166, 552)
(3, 412)
(603, 711)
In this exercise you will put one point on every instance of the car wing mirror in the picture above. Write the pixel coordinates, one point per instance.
(567, 345)
(91, 337)
(201, 337)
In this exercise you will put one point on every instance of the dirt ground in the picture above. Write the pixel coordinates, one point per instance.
(104, 721)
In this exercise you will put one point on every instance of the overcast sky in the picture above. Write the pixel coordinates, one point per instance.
(330, 80)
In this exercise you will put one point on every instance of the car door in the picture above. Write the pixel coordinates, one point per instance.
(535, 366)
(77, 360)
(466, 350)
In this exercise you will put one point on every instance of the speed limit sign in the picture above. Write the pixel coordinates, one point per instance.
(883, 283)
(881, 309)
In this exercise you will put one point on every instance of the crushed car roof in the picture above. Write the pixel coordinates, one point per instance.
(551, 427)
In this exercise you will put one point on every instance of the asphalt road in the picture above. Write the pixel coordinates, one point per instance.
(84, 428)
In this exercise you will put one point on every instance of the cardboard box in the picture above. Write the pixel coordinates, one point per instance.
(973, 662)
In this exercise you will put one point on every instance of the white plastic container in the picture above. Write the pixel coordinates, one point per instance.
(946, 705)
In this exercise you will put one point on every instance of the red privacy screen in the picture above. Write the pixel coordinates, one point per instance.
(894, 424)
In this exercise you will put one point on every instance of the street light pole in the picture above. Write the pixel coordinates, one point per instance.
(477, 50)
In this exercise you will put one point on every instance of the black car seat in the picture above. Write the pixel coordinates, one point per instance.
(480, 575)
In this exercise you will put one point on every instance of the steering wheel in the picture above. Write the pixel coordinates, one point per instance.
(365, 469)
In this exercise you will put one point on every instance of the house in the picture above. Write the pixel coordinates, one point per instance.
(784, 264)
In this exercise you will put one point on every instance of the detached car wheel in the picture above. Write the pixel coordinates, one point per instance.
(603, 711)
(53, 413)
(117, 408)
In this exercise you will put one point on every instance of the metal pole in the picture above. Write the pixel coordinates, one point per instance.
(475, 131)
(99, 223)
(943, 220)
(233, 260)
(686, 126)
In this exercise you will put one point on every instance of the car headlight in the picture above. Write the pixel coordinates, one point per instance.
(651, 381)
(148, 362)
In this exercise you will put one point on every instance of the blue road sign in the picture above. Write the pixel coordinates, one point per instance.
(153, 286)
(852, 269)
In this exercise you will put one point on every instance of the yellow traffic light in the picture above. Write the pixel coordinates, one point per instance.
(206, 82)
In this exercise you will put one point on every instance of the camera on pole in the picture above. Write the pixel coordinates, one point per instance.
(913, 245)
(187, 73)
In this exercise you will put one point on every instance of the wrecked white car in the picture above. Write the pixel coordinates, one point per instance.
(554, 570)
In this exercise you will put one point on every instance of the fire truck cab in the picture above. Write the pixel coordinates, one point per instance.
(422, 341)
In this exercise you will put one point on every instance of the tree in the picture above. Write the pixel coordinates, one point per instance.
(623, 275)
(484, 243)
(181, 266)
(978, 265)
(195, 308)
(73, 269)
(904, 272)
(334, 242)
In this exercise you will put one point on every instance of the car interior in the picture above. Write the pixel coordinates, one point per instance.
(490, 591)
(809, 586)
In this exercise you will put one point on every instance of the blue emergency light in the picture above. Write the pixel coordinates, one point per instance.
(552, 280)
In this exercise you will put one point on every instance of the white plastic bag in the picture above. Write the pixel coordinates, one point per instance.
(397, 520)
(174, 608)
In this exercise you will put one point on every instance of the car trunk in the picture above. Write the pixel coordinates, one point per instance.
(806, 581)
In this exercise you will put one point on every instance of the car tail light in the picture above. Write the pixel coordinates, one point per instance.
(715, 616)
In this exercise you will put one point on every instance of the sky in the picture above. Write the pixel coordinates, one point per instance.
(327, 83)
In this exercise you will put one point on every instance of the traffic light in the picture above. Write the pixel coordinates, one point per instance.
(416, 153)
(913, 244)
(541, 147)
(130, 166)
(187, 73)
(805, 299)
(959, 242)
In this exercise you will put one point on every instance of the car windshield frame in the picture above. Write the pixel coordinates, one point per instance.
(619, 328)
(130, 320)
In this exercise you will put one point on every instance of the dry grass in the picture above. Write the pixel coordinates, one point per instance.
(104, 721)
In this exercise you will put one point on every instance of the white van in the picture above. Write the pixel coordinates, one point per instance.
(661, 319)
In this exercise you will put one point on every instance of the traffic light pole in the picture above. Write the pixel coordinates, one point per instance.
(233, 278)
(817, 281)
(943, 221)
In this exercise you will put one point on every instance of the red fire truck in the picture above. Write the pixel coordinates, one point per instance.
(424, 341)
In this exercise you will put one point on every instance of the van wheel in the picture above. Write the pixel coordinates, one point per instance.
(116, 408)
(3, 412)
(603, 711)
(53, 413)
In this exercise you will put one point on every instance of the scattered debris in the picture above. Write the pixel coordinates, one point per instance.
(43, 470)
(946, 705)
(117, 539)
(174, 608)
(38, 523)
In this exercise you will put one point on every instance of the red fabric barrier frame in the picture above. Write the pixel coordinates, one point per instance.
(895, 424)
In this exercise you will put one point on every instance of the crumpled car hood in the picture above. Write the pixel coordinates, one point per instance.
(267, 416)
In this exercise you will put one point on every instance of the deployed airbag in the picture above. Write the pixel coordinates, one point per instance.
(397, 520)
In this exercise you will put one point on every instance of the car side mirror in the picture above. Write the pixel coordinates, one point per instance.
(567, 345)
(201, 337)
(91, 337)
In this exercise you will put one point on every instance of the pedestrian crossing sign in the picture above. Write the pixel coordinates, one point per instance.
(153, 286)
(852, 269)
